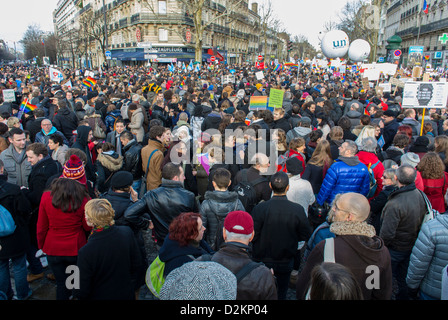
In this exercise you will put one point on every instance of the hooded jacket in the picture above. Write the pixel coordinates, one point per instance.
(216, 205)
(107, 164)
(296, 132)
(346, 174)
(370, 158)
(66, 122)
(82, 143)
(356, 247)
(429, 257)
(174, 255)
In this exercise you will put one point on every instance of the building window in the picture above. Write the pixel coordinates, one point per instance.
(162, 7)
(163, 35)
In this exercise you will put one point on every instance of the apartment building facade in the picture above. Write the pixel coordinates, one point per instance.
(161, 31)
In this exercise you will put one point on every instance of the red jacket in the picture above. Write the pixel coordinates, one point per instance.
(288, 154)
(435, 190)
(369, 158)
(60, 233)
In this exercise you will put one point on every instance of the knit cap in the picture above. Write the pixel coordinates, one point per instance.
(74, 169)
(410, 158)
(199, 280)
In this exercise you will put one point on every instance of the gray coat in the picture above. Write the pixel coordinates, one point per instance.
(429, 257)
(18, 170)
(217, 205)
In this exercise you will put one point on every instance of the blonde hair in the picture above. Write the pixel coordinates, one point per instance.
(12, 121)
(99, 212)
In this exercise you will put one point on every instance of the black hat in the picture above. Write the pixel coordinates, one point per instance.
(92, 94)
(389, 113)
(294, 166)
(121, 179)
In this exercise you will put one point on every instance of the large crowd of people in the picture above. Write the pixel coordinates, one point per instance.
(326, 193)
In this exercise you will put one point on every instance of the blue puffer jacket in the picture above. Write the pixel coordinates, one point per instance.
(347, 174)
(429, 257)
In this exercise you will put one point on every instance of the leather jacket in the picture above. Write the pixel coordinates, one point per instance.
(163, 204)
(133, 159)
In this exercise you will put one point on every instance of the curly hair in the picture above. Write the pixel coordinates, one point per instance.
(184, 228)
(431, 166)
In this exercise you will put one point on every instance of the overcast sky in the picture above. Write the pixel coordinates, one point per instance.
(298, 16)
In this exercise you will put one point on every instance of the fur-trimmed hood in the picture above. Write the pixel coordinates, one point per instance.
(112, 162)
(352, 228)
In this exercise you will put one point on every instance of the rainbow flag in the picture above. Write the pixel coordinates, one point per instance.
(290, 64)
(278, 67)
(89, 82)
(27, 107)
(258, 103)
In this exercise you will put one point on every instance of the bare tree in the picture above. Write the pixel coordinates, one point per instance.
(196, 8)
(266, 20)
(359, 19)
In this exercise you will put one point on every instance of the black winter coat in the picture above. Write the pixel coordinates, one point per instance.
(66, 122)
(13, 199)
(111, 266)
(279, 224)
(132, 159)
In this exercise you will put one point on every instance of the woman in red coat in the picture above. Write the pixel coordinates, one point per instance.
(61, 228)
(435, 179)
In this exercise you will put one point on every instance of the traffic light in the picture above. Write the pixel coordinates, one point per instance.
(289, 46)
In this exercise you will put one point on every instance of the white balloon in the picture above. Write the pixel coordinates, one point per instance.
(335, 44)
(359, 50)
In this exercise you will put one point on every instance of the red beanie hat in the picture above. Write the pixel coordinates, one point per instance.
(74, 169)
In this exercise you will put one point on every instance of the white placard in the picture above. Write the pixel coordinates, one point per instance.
(259, 75)
(372, 74)
(425, 95)
(387, 87)
(9, 95)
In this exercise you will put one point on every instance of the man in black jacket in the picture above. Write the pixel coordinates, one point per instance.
(65, 120)
(132, 158)
(14, 246)
(43, 167)
(402, 217)
(279, 225)
(163, 203)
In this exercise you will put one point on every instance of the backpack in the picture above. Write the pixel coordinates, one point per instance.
(373, 182)
(243, 272)
(281, 160)
(246, 191)
(155, 277)
(7, 223)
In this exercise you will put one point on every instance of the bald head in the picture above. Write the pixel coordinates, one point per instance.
(351, 207)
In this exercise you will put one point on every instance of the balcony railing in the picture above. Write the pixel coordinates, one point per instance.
(430, 27)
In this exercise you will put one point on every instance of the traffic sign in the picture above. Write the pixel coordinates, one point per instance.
(188, 35)
(108, 55)
(260, 58)
(397, 53)
(212, 58)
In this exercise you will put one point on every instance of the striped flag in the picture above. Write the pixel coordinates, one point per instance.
(425, 8)
(27, 107)
(89, 82)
